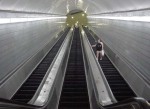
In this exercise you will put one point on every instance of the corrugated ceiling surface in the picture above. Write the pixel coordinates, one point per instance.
(63, 6)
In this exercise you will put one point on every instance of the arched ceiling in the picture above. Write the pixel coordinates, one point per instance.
(64, 6)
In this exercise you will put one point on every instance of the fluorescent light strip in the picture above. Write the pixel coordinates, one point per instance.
(17, 20)
(134, 18)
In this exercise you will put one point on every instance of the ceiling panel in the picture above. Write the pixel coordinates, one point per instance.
(63, 6)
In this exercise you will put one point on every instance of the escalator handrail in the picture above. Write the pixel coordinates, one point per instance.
(141, 102)
(14, 104)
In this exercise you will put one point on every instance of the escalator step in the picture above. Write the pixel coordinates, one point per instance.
(75, 99)
(75, 104)
(72, 94)
(75, 89)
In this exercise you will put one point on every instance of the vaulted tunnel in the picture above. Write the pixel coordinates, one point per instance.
(48, 59)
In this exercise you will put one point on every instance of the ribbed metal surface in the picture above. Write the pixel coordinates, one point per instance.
(28, 89)
(74, 92)
(119, 87)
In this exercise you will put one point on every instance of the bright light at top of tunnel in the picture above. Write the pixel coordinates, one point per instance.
(17, 20)
(133, 18)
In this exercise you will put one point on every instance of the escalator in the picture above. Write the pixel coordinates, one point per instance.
(29, 87)
(119, 87)
(74, 93)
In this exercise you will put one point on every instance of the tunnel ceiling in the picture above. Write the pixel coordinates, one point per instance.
(64, 6)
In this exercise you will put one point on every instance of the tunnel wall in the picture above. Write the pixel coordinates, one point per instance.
(19, 41)
(130, 41)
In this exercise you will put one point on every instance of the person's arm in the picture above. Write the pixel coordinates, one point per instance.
(94, 45)
(102, 45)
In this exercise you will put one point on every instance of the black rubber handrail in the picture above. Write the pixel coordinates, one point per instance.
(4, 103)
(132, 103)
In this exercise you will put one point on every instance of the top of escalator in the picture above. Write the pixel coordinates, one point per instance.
(74, 11)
